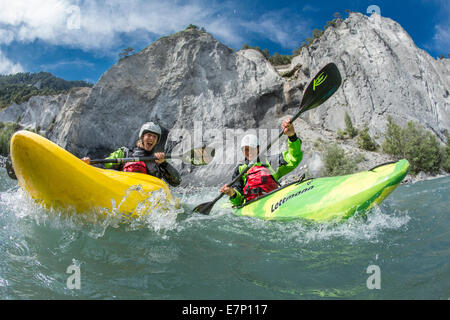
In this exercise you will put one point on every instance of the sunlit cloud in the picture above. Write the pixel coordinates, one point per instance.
(441, 40)
(100, 26)
(9, 67)
(281, 27)
(76, 63)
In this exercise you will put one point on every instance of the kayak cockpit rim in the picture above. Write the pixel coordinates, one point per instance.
(300, 180)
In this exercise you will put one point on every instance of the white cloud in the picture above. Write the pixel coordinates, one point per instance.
(8, 67)
(96, 25)
(281, 27)
(100, 25)
(310, 8)
(440, 42)
(442, 39)
(76, 63)
(6, 36)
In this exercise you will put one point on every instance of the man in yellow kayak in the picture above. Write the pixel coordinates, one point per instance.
(149, 136)
(262, 178)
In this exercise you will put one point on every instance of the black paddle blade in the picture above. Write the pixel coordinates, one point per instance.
(326, 82)
(204, 208)
(9, 168)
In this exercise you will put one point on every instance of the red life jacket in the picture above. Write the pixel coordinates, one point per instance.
(259, 182)
(135, 167)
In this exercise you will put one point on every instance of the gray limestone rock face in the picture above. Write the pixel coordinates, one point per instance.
(61, 131)
(176, 81)
(13, 113)
(183, 81)
(202, 92)
(38, 113)
(384, 73)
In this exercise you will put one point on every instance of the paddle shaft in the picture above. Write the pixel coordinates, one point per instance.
(250, 165)
(315, 94)
(135, 159)
(281, 133)
(267, 148)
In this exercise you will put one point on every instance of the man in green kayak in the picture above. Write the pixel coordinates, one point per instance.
(262, 178)
(149, 136)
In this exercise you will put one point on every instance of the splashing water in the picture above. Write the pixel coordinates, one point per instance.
(155, 212)
(168, 252)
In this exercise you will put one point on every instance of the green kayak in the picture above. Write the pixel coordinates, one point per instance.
(328, 198)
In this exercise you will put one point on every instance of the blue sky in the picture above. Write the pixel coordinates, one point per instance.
(80, 39)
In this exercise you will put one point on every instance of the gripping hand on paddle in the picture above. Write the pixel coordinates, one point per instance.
(229, 191)
(160, 157)
(288, 128)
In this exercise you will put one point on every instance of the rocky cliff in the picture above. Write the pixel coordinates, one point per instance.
(202, 92)
(384, 73)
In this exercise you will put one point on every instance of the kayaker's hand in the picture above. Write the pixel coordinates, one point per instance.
(229, 191)
(288, 128)
(86, 160)
(160, 157)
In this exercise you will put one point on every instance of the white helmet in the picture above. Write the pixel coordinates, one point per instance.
(249, 140)
(150, 127)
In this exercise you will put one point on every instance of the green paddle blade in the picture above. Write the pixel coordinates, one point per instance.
(322, 87)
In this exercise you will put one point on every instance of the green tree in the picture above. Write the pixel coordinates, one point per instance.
(6, 131)
(331, 23)
(337, 163)
(446, 154)
(422, 149)
(266, 53)
(317, 33)
(20, 87)
(365, 141)
(349, 129)
(192, 27)
(393, 143)
(278, 59)
(419, 146)
(126, 52)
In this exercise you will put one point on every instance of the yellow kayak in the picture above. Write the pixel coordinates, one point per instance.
(57, 179)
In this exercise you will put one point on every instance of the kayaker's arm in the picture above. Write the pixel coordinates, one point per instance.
(289, 159)
(170, 174)
(237, 199)
(122, 152)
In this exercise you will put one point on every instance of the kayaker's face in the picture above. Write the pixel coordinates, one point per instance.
(149, 140)
(250, 153)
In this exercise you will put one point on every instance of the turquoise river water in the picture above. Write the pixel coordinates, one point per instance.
(400, 251)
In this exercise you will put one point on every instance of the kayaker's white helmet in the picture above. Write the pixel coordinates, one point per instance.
(150, 127)
(249, 140)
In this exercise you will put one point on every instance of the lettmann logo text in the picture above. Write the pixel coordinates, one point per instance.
(279, 203)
